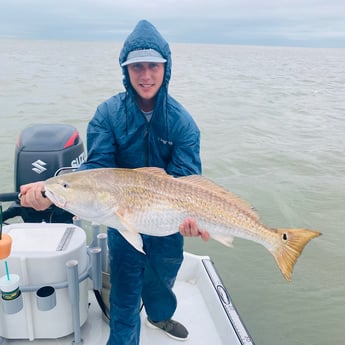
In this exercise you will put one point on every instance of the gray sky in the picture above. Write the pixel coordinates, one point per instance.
(309, 23)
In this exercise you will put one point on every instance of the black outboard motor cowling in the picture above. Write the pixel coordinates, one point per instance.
(40, 151)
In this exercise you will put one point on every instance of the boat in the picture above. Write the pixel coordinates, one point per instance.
(62, 293)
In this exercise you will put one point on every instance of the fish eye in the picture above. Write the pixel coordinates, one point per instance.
(65, 185)
(285, 236)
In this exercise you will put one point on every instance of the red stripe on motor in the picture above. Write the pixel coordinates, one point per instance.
(71, 140)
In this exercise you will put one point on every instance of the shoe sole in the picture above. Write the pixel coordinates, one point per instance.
(152, 326)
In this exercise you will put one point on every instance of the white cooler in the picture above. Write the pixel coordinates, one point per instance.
(39, 255)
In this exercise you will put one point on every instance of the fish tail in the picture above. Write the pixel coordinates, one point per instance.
(290, 247)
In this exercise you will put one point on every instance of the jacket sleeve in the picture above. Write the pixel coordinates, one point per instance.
(100, 141)
(185, 159)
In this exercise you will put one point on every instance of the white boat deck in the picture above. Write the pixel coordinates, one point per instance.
(199, 309)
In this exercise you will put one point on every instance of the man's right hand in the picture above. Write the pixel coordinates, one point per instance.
(31, 196)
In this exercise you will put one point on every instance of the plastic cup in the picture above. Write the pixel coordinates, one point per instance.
(9, 287)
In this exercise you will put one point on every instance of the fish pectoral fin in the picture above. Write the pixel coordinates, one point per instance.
(226, 240)
(130, 234)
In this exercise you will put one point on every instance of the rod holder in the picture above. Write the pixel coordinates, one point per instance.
(96, 271)
(73, 290)
(77, 221)
(102, 243)
(96, 229)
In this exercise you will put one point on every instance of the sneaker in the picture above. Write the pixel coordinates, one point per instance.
(171, 328)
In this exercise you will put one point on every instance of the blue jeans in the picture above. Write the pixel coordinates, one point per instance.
(134, 275)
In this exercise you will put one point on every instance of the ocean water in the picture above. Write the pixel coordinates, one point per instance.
(272, 121)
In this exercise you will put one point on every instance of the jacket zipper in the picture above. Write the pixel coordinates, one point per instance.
(146, 160)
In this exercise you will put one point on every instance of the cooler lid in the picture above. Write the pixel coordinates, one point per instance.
(32, 239)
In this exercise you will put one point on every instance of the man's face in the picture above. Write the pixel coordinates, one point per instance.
(146, 78)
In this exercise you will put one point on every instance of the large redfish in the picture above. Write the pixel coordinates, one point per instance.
(148, 201)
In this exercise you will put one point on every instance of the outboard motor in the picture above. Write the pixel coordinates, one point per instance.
(41, 151)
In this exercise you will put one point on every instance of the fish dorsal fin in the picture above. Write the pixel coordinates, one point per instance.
(205, 183)
(154, 171)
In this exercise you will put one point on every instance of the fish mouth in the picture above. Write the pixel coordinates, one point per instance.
(57, 200)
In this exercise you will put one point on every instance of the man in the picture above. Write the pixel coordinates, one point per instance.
(143, 126)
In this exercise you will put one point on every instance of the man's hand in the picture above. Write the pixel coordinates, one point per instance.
(31, 196)
(189, 228)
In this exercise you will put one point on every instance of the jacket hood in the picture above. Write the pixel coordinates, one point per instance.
(145, 36)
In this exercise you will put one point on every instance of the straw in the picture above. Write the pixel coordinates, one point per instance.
(7, 271)
(6, 265)
(0, 220)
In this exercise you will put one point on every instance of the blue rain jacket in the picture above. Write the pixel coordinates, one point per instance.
(119, 134)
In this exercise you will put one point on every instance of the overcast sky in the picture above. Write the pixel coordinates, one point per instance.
(310, 23)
